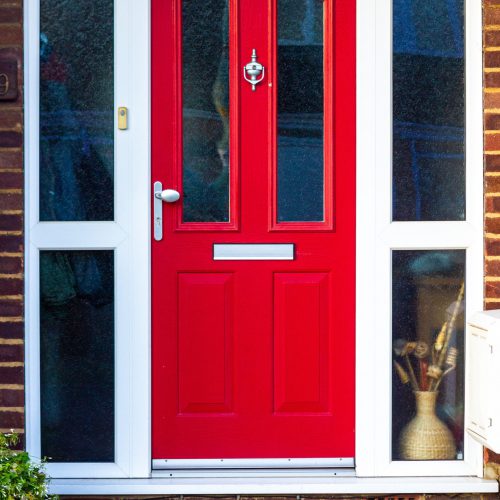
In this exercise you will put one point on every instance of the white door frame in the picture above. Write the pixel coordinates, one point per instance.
(377, 235)
(128, 236)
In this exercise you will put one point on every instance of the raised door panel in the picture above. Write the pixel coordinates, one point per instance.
(301, 328)
(205, 331)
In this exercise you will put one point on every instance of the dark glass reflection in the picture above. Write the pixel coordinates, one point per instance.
(77, 355)
(300, 110)
(76, 110)
(425, 288)
(205, 84)
(428, 110)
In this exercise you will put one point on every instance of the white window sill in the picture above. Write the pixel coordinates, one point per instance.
(276, 486)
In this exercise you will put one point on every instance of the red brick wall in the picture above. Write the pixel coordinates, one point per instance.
(491, 39)
(11, 229)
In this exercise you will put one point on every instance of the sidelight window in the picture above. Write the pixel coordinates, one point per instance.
(419, 232)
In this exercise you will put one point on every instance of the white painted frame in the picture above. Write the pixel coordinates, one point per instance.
(128, 236)
(377, 236)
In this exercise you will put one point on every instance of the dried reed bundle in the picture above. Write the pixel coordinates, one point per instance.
(443, 350)
(443, 358)
(403, 376)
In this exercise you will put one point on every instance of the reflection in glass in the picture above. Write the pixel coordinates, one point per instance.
(428, 110)
(77, 355)
(428, 354)
(205, 85)
(76, 110)
(300, 110)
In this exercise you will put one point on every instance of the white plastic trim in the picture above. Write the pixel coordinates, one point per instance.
(376, 232)
(128, 236)
(274, 486)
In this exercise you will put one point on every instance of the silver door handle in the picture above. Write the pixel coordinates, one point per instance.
(167, 195)
(161, 195)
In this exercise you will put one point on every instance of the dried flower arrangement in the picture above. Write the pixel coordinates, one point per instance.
(434, 362)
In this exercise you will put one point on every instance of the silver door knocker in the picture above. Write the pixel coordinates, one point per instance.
(253, 69)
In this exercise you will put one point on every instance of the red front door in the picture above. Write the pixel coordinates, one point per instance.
(253, 277)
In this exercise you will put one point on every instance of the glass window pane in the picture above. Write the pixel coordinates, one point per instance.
(428, 354)
(205, 87)
(300, 111)
(428, 110)
(76, 110)
(77, 355)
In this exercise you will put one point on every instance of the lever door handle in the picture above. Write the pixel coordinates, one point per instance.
(161, 195)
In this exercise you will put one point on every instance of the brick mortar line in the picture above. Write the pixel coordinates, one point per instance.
(15, 319)
(11, 341)
(11, 254)
(12, 297)
(11, 233)
(12, 387)
(5, 430)
(14, 364)
(18, 127)
(13, 409)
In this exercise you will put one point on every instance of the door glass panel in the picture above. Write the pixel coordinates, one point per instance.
(300, 111)
(76, 110)
(428, 110)
(77, 355)
(205, 110)
(428, 354)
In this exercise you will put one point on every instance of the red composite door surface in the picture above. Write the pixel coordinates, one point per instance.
(253, 343)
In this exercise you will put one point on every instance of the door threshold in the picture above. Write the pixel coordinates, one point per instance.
(273, 486)
(327, 472)
(252, 463)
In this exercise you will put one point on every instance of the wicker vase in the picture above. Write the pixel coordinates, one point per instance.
(426, 437)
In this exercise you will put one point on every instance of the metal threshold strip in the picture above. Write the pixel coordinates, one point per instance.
(244, 463)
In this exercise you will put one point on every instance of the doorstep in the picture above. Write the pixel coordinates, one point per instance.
(272, 486)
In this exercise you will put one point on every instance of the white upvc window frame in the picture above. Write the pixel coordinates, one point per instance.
(128, 236)
(377, 236)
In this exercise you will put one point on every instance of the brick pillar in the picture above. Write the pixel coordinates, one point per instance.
(11, 220)
(491, 21)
